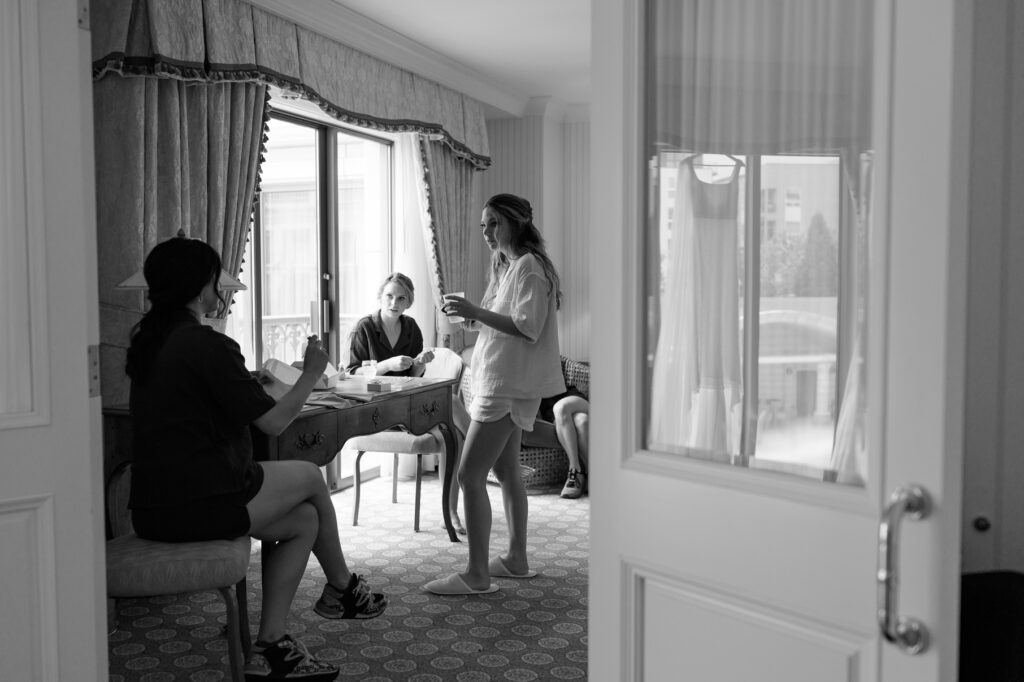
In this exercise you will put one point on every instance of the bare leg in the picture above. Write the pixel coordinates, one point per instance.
(516, 503)
(582, 422)
(565, 427)
(284, 561)
(486, 442)
(293, 505)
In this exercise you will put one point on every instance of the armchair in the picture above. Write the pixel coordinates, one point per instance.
(545, 464)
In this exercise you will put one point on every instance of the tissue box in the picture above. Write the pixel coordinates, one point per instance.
(377, 386)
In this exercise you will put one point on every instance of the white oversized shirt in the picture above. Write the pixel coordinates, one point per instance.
(507, 366)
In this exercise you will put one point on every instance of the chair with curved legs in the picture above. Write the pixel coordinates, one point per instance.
(145, 568)
(446, 365)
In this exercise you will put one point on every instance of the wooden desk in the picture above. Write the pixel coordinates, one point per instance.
(318, 434)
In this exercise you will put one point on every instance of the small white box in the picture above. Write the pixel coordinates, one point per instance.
(377, 386)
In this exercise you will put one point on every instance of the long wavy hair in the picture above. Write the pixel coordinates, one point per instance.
(525, 237)
(176, 271)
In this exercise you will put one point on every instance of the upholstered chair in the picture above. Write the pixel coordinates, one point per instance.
(144, 568)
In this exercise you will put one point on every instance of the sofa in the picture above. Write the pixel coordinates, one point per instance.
(545, 464)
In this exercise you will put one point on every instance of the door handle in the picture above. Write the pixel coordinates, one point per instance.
(909, 634)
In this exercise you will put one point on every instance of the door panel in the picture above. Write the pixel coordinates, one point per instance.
(774, 644)
(52, 619)
(710, 572)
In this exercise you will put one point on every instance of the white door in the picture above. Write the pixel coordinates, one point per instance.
(710, 566)
(52, 589)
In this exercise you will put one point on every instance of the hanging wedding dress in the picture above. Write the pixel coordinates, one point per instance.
(696, 386)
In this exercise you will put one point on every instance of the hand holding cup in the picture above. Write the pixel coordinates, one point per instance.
(456, 307)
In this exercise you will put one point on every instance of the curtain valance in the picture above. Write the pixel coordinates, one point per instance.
(214, 40)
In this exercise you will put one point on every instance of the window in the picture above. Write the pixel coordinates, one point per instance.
(772, 391)
(321, 241)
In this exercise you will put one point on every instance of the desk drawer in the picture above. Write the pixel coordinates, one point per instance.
(374, 417)
(313, 439)
(430, 407)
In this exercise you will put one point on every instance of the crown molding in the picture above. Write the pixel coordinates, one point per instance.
(335, 21)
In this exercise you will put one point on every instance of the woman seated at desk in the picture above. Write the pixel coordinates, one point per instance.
(388, 339)
(193, 473)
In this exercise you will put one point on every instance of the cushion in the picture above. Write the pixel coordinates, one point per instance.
(429, 443)
(145, 568)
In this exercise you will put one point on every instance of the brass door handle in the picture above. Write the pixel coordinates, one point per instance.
(909, 634)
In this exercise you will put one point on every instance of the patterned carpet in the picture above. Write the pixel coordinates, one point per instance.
(529, 630)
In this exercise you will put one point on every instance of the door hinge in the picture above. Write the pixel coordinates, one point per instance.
(83, 14)
(94, 370)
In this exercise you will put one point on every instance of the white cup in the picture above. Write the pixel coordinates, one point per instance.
(455, 319)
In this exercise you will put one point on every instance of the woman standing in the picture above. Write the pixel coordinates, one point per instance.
(515, 362)
(388, 337)
(193, 475)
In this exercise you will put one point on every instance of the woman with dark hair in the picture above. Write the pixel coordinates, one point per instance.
(193, 474)
(389, 338)
(515, 362)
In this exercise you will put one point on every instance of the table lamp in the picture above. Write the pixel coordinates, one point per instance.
(137, 282)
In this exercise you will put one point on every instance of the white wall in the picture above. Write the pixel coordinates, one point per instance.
(575, 272)
(544, 156)
(994, 427)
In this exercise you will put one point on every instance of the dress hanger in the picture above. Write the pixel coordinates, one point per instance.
(736, 162)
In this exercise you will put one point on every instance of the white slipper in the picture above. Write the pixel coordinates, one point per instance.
(454, 584)
(497, 569)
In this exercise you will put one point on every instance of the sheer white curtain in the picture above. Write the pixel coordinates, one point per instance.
(742, 77)
(411, 221)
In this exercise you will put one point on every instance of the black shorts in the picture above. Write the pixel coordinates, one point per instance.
(222, 517)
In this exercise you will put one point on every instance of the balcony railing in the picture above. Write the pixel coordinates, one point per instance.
(284, 336)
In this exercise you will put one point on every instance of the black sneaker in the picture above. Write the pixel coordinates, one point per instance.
(355, 602)
(286, 659)
(575, 484)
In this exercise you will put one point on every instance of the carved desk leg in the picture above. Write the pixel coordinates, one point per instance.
(450, 445)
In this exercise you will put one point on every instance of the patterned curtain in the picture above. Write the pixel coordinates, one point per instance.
(179, 148)
(231, 40)
(449, 183)
(170, 155)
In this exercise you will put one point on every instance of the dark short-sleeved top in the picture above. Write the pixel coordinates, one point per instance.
(191, 419)
(370, 342)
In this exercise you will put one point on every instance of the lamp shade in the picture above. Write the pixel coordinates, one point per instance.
(137, 282)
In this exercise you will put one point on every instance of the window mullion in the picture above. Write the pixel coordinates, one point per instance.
(330, 278)
(751, 305)
(257, 286)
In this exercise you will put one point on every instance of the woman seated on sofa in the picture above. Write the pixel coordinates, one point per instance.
(389, 338)
(569, 414)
